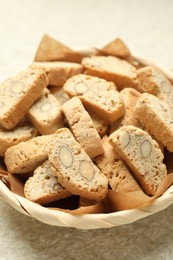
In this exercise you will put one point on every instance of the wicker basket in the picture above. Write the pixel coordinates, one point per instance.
(88, 221)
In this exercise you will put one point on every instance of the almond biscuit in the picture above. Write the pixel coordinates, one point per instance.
(46, 115)
(44, 187)
(58, 71)
(111, 68)
(14, 136)
(97, 95)
(60, 94)
(82, 127)
(75, 170)
(157, 116)
(142, 154)
(130, 97)
(154, 82)
(27, 156)
(100, 123)
(18, 93)
(119, 176)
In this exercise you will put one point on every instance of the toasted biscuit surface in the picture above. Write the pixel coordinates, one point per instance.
(58, 71)
(130, 97)
(82, 127)
(44, 187)
(19, 134)
(26, 156)
(22, 90)
(96, 94)
(100, 123)
(155, 82)
(157, 116)
(142, 154)
(46, 115)
(60, 94)
(75, 169)
(113, 69)
(119, 176)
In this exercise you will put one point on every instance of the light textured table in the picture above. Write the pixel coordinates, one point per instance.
(146, 26)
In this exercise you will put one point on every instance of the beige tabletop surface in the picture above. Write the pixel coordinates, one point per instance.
(147, 28)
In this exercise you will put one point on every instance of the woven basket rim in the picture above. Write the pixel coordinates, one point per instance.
(89, 221)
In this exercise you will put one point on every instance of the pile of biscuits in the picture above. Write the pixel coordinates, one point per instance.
(80, 124)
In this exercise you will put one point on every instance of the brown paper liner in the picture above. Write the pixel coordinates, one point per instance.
(116, 201)
(16, 184)
(93, 209)
(50, 49)
(4, 174)
(69, 205)
(168, 160)
(117, 48)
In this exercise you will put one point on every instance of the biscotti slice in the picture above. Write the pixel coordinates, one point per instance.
(154, 82)
(44, 187)
(157, 116)
(14, 136)
(18, 93)
(96, 94)
(58, 71)
(142, 154)
(119, 176)
(46, 115)
(27, 156)
(60, 94)
(82, 127)
(130, 97)
(113, 69)
(100, 123)
(75, 170)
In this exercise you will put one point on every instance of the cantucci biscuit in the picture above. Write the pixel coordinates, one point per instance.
(100, 123)
(46, 115)
(96, 94)
(142, 154)
(75, 170)
(157, 116)
(60, 94)
(58, 71)
(113, 69)
(154, 82)
(27, 156)
(43, 187)
(14, 136)
(119, 176)
(82, 127)
(130, 97)
(18, 93)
